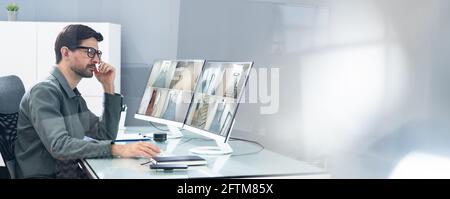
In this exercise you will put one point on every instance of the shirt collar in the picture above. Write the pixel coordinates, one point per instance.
(64, 84)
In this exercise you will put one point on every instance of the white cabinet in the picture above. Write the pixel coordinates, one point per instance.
(18, 51)
(27, 50)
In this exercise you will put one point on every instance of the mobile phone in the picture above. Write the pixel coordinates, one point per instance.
(168, 166)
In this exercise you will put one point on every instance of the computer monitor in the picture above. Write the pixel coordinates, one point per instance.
(215, 103)
(168, 93)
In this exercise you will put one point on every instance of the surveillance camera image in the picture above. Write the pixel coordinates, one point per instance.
(217, 95)
(169, 89)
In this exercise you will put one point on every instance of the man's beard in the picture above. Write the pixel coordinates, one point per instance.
(84, 72)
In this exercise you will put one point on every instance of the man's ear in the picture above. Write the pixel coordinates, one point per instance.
(65, 51)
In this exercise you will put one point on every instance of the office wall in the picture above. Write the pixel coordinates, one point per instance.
(149, 31)
(361, 83)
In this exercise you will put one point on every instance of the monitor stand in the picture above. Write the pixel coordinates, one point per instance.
(174, 132)
(222, 148)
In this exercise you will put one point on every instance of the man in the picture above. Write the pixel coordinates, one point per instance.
(54, 119)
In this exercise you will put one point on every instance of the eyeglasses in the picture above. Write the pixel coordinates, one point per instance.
(91, 52)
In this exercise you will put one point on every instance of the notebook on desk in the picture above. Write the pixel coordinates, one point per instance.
(189, 160)
(131, 137)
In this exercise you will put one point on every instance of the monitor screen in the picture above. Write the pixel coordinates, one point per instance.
(169, 90)
(217, 96)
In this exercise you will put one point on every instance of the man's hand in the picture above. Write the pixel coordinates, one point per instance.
(105, 74)
(137, 149)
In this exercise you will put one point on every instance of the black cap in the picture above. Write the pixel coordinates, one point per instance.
(160, 137)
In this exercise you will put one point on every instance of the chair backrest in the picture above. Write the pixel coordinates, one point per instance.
(11, 92)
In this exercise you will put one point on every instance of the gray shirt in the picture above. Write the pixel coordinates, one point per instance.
(53, 120)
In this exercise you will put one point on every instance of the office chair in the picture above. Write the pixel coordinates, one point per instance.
(11, 92)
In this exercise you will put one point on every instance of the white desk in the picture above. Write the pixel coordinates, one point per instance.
(262, 164)
(2, 164)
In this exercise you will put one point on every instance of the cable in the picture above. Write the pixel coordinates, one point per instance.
(189, 139)
(250, 141)
(151, 123)
(231, 139)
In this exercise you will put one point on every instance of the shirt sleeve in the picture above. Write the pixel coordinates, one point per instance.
(48, 121)
(106, 126)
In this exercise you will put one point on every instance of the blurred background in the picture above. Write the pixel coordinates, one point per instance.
(359, 87)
